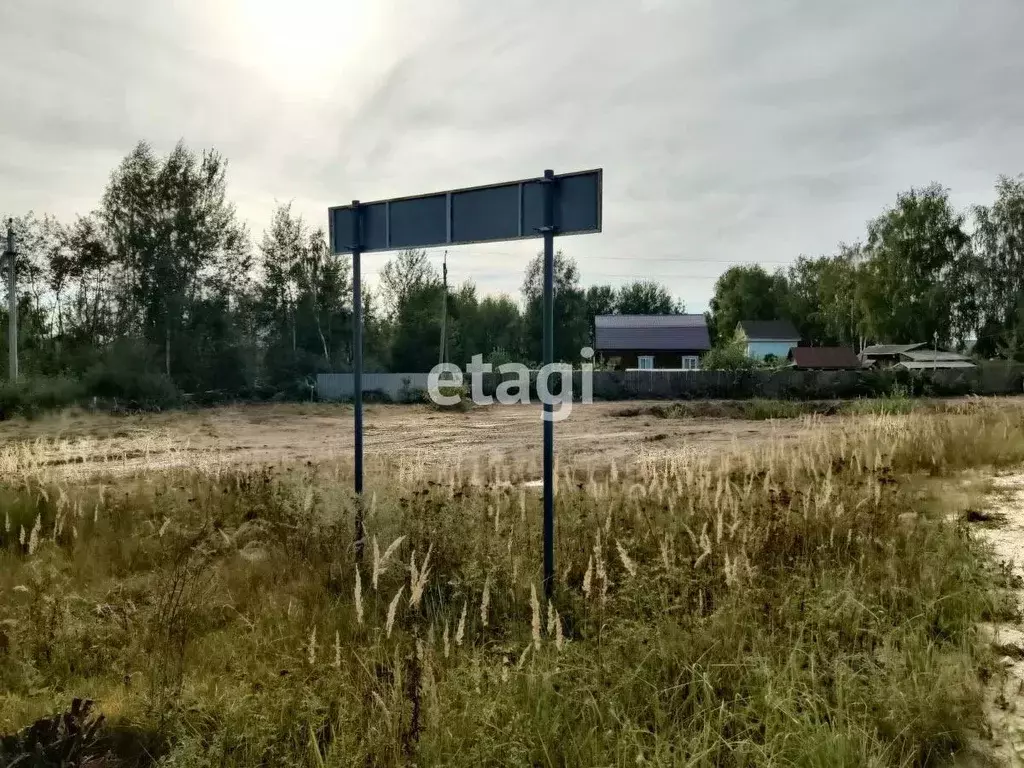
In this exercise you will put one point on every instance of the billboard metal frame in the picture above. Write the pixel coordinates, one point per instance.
(551, 210)
(523, 233)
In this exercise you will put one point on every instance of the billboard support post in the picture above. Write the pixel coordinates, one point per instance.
(550, 191)
(567, 204)
(357, 368)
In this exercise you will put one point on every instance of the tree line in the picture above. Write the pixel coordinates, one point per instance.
(163, 286)
(924, 272)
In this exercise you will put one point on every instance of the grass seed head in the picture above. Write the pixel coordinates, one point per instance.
(485, 601)
(392, 610)
(627, 562)
(535, 623)
(524, 654)
(460, 631)
(419, 579)
(33, 538)
(380, 562)
(359, 597)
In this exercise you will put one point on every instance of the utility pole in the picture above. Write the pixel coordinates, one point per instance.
(444, 311)
(12, 304)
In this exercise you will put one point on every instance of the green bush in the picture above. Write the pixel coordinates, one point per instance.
(465, 400)
(29, 396)
(763, 409)
(730, 357)
(121, 383)
(897, 401)
(409, 394)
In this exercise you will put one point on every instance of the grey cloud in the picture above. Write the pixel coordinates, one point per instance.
(729, 132)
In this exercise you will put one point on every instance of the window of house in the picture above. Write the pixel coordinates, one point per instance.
(690, 362)
(645, 362)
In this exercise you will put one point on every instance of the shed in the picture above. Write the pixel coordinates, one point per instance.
(938, 365)
(933, 356)
(824, 358)
(885, 355)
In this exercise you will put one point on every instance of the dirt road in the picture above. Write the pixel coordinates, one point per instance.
(1005, 693)
(315, 432)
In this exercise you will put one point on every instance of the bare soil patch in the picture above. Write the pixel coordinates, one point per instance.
(260, 434)
(1002, 527)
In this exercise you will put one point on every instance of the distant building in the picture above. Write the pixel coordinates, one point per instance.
(824, 358)
(886, 355)
(767, 337)
(652, 341)
(933, 359)
(912, 357)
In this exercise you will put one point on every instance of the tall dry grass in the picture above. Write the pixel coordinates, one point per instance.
(809, 603)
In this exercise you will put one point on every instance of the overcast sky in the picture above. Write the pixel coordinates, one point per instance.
(729, 132)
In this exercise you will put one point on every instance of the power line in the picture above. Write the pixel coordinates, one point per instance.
(644, 275)
(687, 260)
(642, 259)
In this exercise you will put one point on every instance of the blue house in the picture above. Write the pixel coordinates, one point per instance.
(767, 337)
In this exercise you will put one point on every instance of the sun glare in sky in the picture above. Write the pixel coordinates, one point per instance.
(300, 44)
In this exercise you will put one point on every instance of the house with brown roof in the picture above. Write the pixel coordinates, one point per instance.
(823, 359)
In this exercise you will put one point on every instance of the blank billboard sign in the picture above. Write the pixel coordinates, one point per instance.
(509, 211)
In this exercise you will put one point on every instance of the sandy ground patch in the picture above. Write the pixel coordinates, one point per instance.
(257, 434)
(1005, 697)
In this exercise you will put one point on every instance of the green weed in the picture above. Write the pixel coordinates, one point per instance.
(777, 606)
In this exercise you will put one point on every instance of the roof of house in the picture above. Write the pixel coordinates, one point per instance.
(824, 357)
(651, 332)
(889, 349)
(931, 355)
(928, 365)
(769, 330)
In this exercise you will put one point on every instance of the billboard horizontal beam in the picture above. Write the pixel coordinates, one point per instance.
(509, 211)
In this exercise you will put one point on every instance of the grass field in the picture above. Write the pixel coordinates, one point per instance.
(806, 596)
